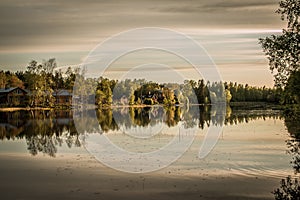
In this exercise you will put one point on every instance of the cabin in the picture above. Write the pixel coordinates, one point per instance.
(12, 96)
(157, 96)
(62, 97)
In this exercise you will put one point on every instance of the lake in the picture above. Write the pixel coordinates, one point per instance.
(151, 152)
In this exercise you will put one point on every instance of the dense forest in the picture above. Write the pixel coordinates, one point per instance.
(42, 79)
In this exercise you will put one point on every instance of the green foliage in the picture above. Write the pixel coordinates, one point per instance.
(283, 53)
(289, 189)
(8, 80)
(283, 50)
(292, 89)
(125, 89)
(290, 11)
(242, 93)
(228, 95)
(194, 92)
(131, 98)
(104, 92)
(41, 79)
(3, 80)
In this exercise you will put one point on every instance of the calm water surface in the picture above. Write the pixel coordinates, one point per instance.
(252, 142)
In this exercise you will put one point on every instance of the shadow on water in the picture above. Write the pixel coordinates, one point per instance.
(45, 131)
(290, 187)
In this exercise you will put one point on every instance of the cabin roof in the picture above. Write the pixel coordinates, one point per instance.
(62, 92)
(8, 90)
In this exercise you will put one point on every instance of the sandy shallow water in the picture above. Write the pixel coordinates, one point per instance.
(82, 177)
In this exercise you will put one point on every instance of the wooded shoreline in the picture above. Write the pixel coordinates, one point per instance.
(237, 105)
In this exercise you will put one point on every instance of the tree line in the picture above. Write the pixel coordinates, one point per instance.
(42, 79)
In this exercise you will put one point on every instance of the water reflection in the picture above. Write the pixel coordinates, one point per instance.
(291, 121)
(45, 131)
(290, 187)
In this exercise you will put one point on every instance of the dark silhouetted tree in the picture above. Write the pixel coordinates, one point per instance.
(283, 50)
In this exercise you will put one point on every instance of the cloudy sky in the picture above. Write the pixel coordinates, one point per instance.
(69, 29)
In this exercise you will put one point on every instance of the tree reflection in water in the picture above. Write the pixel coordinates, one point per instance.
(289, 187)
(45, 131)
